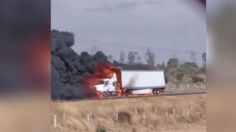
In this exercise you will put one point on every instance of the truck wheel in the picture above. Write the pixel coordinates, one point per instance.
(154, 91)
(110, 94)
(158, 92)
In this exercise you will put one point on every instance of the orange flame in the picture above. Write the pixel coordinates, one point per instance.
(103, 71)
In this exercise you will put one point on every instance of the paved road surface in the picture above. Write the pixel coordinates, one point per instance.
(125, 97)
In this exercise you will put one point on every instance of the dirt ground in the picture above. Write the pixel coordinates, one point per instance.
(150, 114)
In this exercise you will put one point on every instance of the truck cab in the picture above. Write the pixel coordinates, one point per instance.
(107, 86)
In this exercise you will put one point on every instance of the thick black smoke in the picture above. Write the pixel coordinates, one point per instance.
(69, 69)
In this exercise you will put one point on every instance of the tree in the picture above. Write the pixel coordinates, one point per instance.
(204, 62)
(131, 58)
(197, 79)
(150, 58)
(179, 75)
(190, 68)
(204, 57)
(191, 71)
(122, 57)
(161, 66)
(171, 69)
(137, 57)
(173, 63)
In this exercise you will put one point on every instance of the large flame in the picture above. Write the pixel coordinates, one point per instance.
(106, 71)
(103, 71)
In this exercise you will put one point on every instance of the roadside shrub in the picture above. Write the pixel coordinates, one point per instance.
(101, 129)
(197, 79)
(124, 117)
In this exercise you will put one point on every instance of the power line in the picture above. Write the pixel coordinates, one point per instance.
(141, 46)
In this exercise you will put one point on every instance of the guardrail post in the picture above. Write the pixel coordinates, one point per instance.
(144, 117)
(88, 116)
(116, 116)
(174, 111)
(54, 121)
(188, 114)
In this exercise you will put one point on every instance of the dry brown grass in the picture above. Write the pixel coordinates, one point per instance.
(165, 114)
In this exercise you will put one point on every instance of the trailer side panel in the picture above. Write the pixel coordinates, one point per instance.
(142, 79)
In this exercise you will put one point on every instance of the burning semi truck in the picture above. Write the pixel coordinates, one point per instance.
(112, 81)
(133, 83)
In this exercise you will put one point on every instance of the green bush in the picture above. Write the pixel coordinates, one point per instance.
(197, 79)
(179, 76)
(101, 130)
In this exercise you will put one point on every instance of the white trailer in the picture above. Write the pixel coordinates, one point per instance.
(133, 82)
(143, 82)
